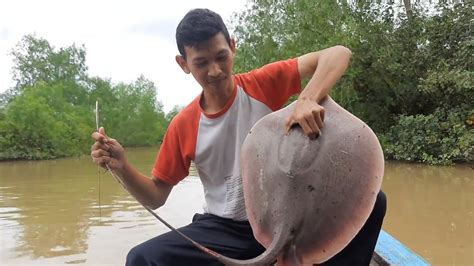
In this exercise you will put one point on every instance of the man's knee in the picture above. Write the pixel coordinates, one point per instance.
(378, 212)
(142, 255)
(136, 257)
(380, 207)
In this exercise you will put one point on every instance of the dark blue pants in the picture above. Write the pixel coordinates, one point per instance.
(235, 239)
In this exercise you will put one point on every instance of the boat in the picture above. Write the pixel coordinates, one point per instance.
(390, 251)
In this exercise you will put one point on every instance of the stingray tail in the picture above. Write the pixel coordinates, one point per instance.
(289, 256)
(281, 239)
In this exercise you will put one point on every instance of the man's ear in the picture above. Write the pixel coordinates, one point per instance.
(182, 63)
(232, 45)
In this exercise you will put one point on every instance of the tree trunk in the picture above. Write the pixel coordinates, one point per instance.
(408, 9)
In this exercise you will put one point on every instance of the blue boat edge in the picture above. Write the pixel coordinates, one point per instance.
(390, 251)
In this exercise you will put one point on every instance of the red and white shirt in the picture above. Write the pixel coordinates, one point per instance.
(213, 141)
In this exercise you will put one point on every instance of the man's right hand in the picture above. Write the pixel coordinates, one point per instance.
(107, 151)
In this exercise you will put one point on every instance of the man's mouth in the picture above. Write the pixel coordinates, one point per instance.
(215, 81)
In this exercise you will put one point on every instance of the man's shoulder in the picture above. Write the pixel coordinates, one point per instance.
(275, 64)
(187, 114)
(269, 73)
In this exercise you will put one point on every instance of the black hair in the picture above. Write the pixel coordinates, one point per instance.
(197, 26)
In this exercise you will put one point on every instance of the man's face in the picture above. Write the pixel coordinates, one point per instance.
(210, 63)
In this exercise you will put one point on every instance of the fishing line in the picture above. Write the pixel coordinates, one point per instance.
(120, 181)
(98, 167)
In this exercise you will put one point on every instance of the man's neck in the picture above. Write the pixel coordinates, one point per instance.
(214, 100)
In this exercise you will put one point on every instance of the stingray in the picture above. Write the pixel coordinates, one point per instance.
(307, 199)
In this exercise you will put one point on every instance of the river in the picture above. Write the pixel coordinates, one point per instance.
(51, 212)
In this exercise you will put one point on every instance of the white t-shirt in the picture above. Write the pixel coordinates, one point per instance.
(213, 142)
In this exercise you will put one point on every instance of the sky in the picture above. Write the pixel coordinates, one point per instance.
(123, 39)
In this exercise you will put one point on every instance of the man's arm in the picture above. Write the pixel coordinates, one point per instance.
(151, 193)
(324, 68)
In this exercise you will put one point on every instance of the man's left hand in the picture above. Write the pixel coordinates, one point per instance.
(309, 115)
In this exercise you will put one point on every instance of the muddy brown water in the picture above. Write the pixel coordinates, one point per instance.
(50, 214)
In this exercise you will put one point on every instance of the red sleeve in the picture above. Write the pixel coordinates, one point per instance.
(272, 84)
(178, 147)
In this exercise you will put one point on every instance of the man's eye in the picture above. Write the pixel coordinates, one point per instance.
(200, 65)
(222, 58)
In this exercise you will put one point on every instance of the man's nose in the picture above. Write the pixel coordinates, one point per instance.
(214, 70)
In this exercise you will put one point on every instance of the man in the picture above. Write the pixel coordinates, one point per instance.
(210, 132)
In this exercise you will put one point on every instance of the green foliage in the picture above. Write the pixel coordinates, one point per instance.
(173, 112)
(50, 111)
(403, 55)
(405, 69)
(36, 60)
(272, 30)
(135, 118)
(31, 130)
(442, 137)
